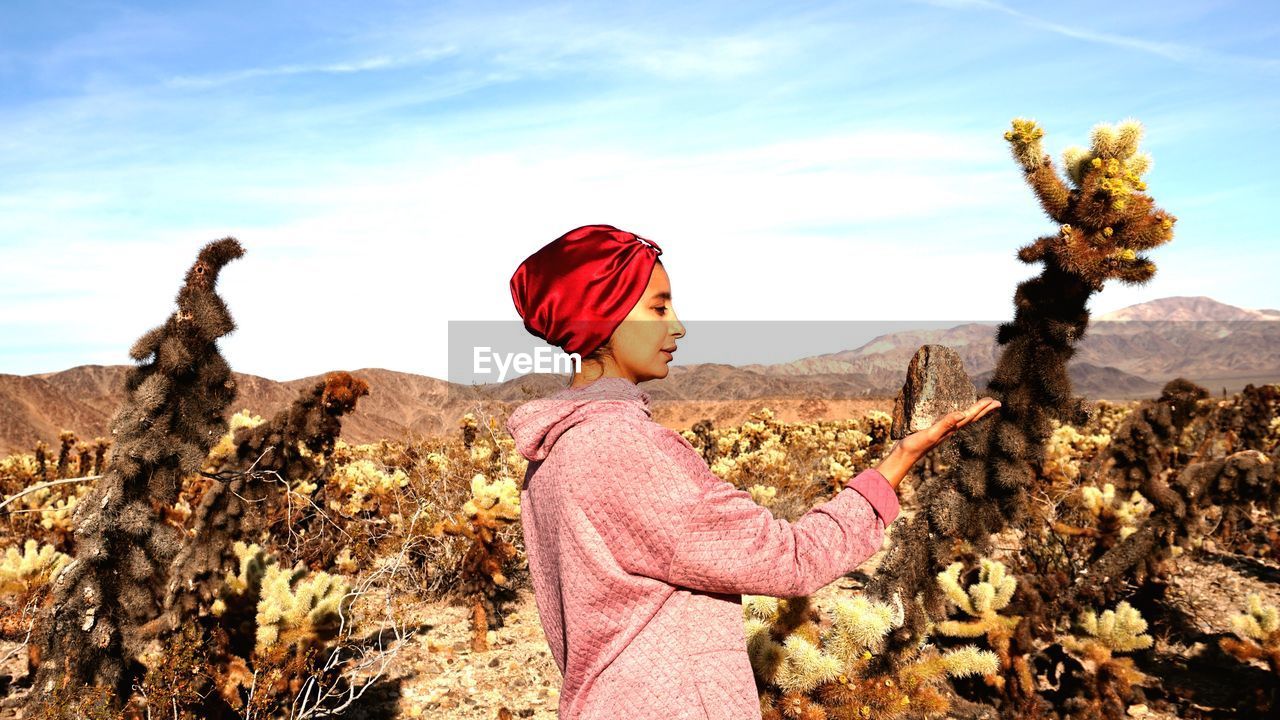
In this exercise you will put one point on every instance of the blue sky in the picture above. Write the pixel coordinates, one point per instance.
(387, 166)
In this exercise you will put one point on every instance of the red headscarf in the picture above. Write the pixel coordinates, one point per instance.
(576, 290)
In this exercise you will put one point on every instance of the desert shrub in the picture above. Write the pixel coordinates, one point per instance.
(805, 463)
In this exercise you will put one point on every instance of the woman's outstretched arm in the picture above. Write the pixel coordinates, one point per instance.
(680, 523)
(728, 543)
(692, 529)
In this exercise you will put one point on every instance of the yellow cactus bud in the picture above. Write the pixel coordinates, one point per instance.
(1108, 231)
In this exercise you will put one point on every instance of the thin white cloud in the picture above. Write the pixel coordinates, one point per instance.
(538, 44)
(538, 41)
(1173, 51)
(718, 57)
(380, 62)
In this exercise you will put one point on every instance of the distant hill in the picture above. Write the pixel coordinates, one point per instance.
(1096, 382)
(1126, 354)
(1184, 308)
(1211, 343)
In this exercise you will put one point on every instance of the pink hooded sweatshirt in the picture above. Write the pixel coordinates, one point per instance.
(639, 556)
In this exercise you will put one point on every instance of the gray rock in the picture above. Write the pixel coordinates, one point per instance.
(936, 384)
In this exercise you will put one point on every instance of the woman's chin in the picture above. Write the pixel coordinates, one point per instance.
(659, 372)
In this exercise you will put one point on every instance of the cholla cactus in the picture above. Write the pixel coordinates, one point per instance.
(805, 462)
(294, 608)
(1068, 448)
(53, 507)
(299, 609)
(482, 454)
(438, 462)
(1106, 689)
(840, 473)
(1104, 222)
(1111, 519)
(1123, 515)
(802, 666)
(23, 572)
(58, 517)
(253, 566)
(21, 469)
(805, 671)
(763, 494)
(268, 619)
(1121, 630)
(499, 499)
(1111, 144)
(42, 459)
(878, 425)
(100, 447)
(1257, 634)
(1106, 219)
(362, 486)
(470, 429)
(970, 660)
(225, 450)
(67, 444)
(172, 415)
(860, 625)
(982, 601)
(492, 506)
(1260, 623)
(266, 458)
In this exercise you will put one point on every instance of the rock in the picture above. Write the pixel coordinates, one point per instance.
(936, 384)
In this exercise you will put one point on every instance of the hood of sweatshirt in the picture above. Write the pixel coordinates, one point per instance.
(537, 424)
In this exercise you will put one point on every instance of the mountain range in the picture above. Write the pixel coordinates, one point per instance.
(1126, 354)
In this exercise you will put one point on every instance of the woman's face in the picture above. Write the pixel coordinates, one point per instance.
(643, 342)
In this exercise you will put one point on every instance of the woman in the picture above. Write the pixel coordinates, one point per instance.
(638, 553)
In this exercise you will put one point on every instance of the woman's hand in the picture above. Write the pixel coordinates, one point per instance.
(911, 448)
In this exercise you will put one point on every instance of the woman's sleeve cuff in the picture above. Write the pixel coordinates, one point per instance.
(876, 489)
